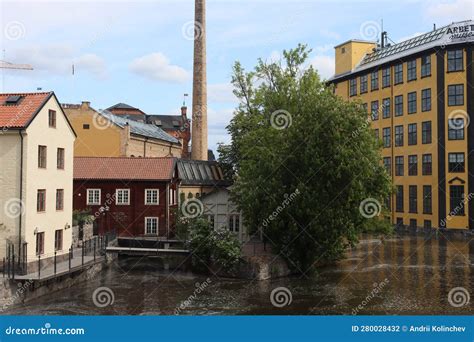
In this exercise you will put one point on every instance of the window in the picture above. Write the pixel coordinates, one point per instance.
(455, 60)
(399, 166)
(52, 118)
(374, 80)
(398, 73)
(456, 200)
(399, 135)
(399, 199)
(412, 134)
(427, 224)
(39, 243)
(93, 196)
(386, 77)
(86, 126)
(234, 223)
(151, 196)
(399, 222)
(386, 137)
(411, 70)
(151, 225)
(426, 132)
(426, 100)
(58, 240)
(123, 197)
(413, 223)
(374, 109)
(42, 153)
(426, 167)
(364, 84)
(60, 199)
(412, 165)
(387, 163)
(411, 100)
(364, 107)
(399, 105)
(376, 133)
(353, 87)
(425, 66)
(386, 108)
(456, 129)
(456, 95)
(60, 159)
(41, 200)
(413, 200)
(427, 202)
(212, 220)
(456, 162)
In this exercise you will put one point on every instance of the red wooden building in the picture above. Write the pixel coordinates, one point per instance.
(132, 196)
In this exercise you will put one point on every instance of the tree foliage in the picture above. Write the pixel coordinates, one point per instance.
(291, 134)
(210, 247)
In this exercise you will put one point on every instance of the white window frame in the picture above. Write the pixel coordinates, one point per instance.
(232, 229)
(157, 225)
(88, 196)
(157, 197)
(117, 197)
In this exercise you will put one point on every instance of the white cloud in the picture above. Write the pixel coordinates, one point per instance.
(156, 66)
(329, 34)
(221, 93)
(57, 59)
(450, 11)
(91, 63)
(324, 64)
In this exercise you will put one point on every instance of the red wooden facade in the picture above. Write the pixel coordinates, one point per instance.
(128, 219)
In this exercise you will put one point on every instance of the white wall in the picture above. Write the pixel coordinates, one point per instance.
(39, 133)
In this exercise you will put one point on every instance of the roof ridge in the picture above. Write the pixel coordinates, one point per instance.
(31, 93)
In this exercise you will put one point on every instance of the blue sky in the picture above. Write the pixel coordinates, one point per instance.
(138, 52)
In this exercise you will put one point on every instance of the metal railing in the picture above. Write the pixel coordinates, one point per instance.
(49, 264)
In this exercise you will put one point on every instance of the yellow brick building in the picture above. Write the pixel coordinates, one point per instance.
(419, 97)
(102, 134)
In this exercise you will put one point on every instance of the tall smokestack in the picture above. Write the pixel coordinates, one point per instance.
(199, 115)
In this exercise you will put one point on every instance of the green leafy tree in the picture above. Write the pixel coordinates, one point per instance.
(210, 247)
(292, 135)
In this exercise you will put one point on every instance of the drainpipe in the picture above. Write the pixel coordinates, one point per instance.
(21, 198)
(167, 210)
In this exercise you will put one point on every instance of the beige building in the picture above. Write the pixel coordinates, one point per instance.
(223, 213)
(103, 134)
(36, 177)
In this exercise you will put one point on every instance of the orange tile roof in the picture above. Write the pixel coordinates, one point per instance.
(20, 115)
(104, 168)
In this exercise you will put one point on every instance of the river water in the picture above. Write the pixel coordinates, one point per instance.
(401, 275)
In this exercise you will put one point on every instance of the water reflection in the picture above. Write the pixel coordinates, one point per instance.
(418, 273)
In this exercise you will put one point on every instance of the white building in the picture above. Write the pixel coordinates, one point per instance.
(223, 213)
(36, 177)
